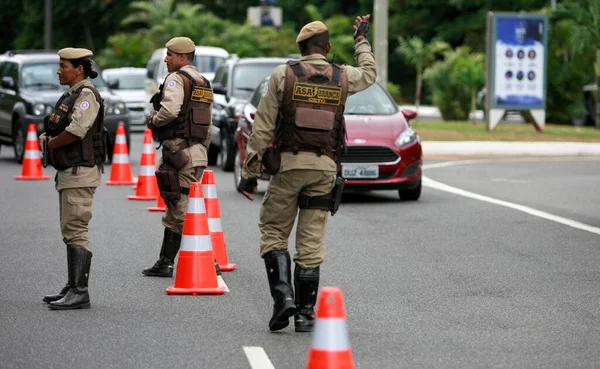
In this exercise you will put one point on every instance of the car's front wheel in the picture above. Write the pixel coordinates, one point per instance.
(237, 168)
(19, 141)
(411, 195)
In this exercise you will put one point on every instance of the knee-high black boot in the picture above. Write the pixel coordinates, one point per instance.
(77, 297)
(49, 298)
(278, 267)
(170, 247)
(306, 286)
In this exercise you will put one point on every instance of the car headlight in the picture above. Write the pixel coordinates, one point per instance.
(42, 109)
(116, 108)
(407, 136)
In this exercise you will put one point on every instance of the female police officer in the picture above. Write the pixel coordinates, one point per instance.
(76, 148)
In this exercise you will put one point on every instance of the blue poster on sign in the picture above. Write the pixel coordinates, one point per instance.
(519, 61)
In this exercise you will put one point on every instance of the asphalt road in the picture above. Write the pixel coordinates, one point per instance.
(446, 282)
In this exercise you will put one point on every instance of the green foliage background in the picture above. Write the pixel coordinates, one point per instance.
(125, 32)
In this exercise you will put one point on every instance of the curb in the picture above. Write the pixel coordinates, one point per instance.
(459, 149)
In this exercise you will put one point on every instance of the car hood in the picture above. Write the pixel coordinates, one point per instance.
(41, 96)
(367, 129)
(129, 96)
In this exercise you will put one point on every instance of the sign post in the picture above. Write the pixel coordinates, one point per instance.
(516, 66)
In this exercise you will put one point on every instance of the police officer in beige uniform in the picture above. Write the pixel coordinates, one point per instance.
(75, 143)
(182, 122)
(302, 112)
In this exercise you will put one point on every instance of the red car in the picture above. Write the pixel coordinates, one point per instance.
(384, 151)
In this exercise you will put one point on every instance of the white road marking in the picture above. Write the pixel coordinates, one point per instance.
(258, 357)
(445, 164)
(525, 209)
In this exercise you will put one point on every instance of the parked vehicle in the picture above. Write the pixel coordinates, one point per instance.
(207, 60)
(29, 89)
(129, 85)
(234, 82)
(384, 151)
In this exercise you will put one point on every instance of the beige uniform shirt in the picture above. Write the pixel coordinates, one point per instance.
(82, 117)
(359, 78)
(170, 106)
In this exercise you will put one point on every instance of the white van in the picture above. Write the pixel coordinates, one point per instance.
(207, 60)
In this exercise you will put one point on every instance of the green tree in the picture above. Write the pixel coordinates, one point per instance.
(585, 15)
(420, 55)
(469, 70)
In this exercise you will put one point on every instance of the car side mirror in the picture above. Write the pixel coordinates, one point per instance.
(8, 82)
(219, 89)
(409, 114)
(113, 83)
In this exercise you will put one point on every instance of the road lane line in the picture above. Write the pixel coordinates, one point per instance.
(525, 209)
(257, 357)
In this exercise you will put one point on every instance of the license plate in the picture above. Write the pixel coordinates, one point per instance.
(364, 171)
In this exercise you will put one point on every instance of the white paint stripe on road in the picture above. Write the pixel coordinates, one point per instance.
(525, 209)
(257, 357)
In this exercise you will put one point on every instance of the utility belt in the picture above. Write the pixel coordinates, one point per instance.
(174, 159)
(330, 202)
(271, 159)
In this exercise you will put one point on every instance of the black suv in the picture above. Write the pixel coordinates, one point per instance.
(29, 89)
(234, 82)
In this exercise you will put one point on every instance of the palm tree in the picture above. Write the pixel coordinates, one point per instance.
(149, 13)
(421, 55)
(470, 72)
(585, 15)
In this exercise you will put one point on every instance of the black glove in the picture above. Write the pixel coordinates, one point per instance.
(363, 29)
(247, 187)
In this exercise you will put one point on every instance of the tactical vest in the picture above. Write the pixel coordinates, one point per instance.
(89, 151)
(194, 119)
(312, 113)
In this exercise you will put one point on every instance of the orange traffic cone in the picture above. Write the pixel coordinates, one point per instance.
(196, 273)
(160, 206)
(213, 212)
(120, 171)
(32, 161)
(330, 346)
(147, 187)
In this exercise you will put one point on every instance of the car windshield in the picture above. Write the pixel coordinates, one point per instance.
(129, 81)
(43, 75)
(247, 76)
(207, 63)
(372, 101)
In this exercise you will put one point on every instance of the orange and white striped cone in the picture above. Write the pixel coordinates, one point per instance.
(147, 187)
(213, 212)
(330, 347)
(160, 206)
(31, 170)
(120, 171)
(196, 273)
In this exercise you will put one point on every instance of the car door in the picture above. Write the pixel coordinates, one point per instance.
(8, 96)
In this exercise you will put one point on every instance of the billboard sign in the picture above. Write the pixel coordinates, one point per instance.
(518, 61)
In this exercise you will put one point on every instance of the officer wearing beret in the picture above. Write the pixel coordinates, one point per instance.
(302, 113)
(182, 122)
(75, 139)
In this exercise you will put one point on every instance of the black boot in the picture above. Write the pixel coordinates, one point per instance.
(170, 247)
(280, 281)
(49, 298)
(306, 286)
(79, 271)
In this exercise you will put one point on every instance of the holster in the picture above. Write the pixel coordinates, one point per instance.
(330, 202)
(168, 184)
(174, 156)
(271, 161)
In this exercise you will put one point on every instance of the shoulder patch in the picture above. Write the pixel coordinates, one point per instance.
(172, 83)
(84, 105)
(265, 90)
